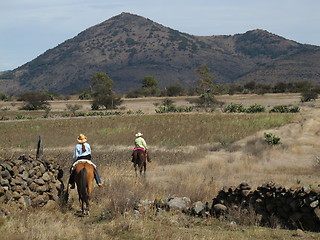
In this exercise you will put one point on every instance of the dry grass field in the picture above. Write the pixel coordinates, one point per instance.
(194, 155)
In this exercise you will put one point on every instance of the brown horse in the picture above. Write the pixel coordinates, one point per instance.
(84, 175)
(140, 160)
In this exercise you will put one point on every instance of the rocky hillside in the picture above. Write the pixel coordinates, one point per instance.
(128, 47)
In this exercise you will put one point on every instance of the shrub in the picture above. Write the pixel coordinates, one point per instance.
(294, 109)
(280, 109)
(47, 110)
(167, 106)
(271, 139)
(20, 117)
(4, 97)
(255, 108)
(285, 109)
(86, 95)
(309, 96)
(139, 111)
(72, 108)
(235, 108)
(34, 100)
(134, 93)
(175, 89)
(4, 118)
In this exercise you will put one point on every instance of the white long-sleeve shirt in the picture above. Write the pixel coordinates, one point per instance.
(78, 151)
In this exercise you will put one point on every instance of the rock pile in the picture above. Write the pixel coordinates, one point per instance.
(268, 205)
(29, 182)
(297, 207)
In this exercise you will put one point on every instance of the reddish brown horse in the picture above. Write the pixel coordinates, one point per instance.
(139, 160)
(84, 175)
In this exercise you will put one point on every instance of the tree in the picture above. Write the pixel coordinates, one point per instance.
(250, 85)
(86, 95)
(34, 100)
(175, 89)
(150, 86)
(149, 82)
(102, 92)
(205, 88)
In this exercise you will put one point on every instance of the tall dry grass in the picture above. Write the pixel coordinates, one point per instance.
(193, 156)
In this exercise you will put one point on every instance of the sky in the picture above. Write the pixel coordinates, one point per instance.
(30, 27)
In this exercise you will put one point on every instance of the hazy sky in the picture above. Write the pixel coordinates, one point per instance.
(30, 27)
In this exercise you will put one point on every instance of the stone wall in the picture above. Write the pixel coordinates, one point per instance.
(269, 205)
(296, 207)
(29, 182)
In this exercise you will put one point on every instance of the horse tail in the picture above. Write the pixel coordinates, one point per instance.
(84, 185)
(140, 158)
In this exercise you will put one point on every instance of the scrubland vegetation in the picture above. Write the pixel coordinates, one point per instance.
(194, 155)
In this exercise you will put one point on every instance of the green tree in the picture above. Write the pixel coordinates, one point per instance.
(205, 88)
(149, 82)
(86, 95)
(175, 89)
(150, 86)
(102, 92)
(34, 100)
(4, 97)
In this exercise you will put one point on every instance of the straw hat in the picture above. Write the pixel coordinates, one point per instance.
(139, 134)
(82, 138)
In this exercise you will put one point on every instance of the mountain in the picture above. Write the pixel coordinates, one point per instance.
(128, 47)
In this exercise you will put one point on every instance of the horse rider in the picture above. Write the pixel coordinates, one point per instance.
(140, 143)
(82, 151)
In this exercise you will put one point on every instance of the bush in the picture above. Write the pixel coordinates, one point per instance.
(111, 101)
(175, 89)
(20, 117)
(134, 93)
(235, 108)
(294, 109)
(309, 96)
(167, 106)
(271, 139)
(285, 109)
(167, 109)
(34, 100)
(255, 108)
(4, 97)
(86, 95)
(280, 109)
(73, 108)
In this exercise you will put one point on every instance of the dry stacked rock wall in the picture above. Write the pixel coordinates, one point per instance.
(29, 182)
(297, 207)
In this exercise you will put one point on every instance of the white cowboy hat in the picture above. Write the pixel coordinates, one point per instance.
(139, 134)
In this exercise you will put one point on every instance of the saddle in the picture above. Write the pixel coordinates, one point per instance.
(82, 161)
(139, 149)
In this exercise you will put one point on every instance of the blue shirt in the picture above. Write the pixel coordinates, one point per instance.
(78, 151)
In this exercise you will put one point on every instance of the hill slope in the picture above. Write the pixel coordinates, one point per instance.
(128, 47)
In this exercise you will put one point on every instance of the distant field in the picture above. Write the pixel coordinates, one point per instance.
(147, 105)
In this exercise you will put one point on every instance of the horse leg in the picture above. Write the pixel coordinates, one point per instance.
(89, 191)
(135, 169)
(141, 168)
(144, 168)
